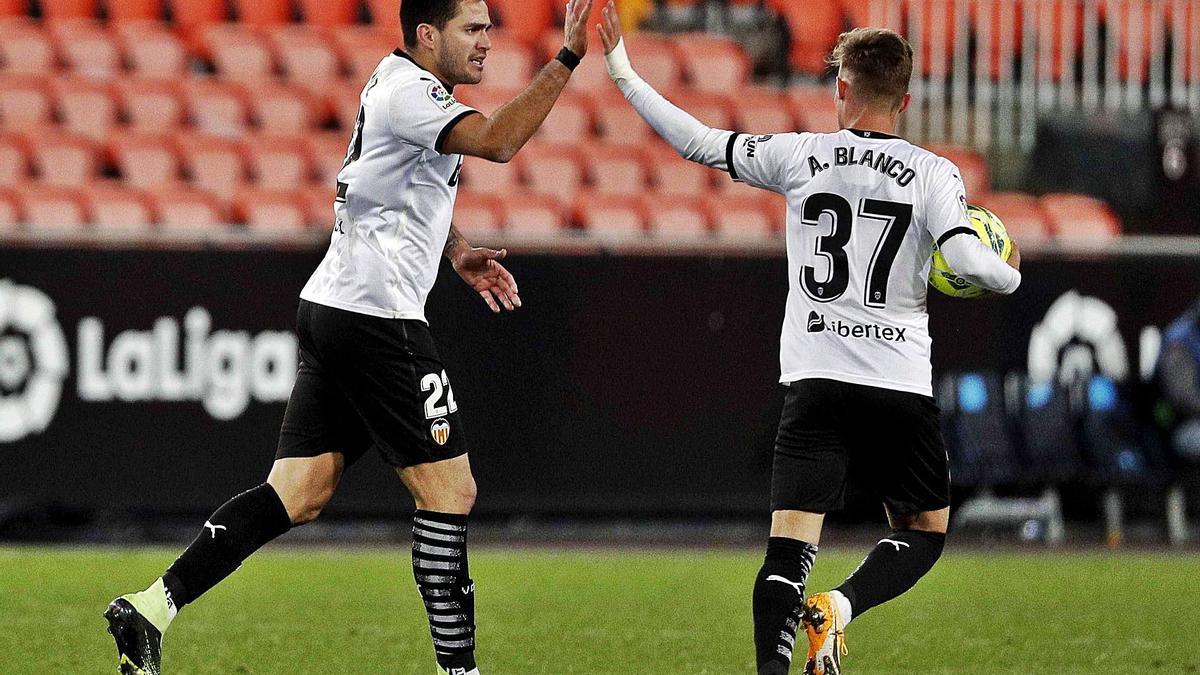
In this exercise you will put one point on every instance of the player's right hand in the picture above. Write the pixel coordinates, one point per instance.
(610, 27)
(1014, 259)
(575, 35)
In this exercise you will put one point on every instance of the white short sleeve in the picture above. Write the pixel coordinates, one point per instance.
(763, 161)
(422, 111)
(946, 210)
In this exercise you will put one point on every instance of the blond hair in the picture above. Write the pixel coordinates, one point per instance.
(879, 62)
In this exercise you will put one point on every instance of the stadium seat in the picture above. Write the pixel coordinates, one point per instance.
(63, 160)
(711, 109)
(215, 108)
(308, 59)
(590, 77)
(1021, 214)
(327, 154)
(972, 166)
(14, 164)
(1080, 217)
(554, 170)
(192, 17)
(10, 213)
(525, 20)
(145, 161)
(150, 106)
(317, 199)
(509, 63)
(121, 11)
(184, 209)
(814, 27)
(619, 124)
(814, 108)
(615, 170)
(533, 215)
(656, 61)
(283, 109)
(26, 49)
(24, 103)
(610, 215)
(214, 165)
(762, 110)
(257, 13)
(739, 218)
(343, 99)
(478, 214)
(1118, 447)
(976, 428)
(85, 107)
(713, 64)
(676, 176)
(486, 177)
(13, 8)
(151, 50)
(112, 206)
(569, 121)
(329, 13)
(361, 48)
(486, 98)
(51, 207)
(87, 48)
(1046, 423)
(385, 16)
(277, 162)
(239, 53)
(56, 10)
(674, 216)
(277, 211)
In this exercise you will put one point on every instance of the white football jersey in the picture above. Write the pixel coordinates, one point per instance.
(395, 196)
(864, 211)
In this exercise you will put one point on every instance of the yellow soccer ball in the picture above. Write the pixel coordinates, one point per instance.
(992, 233)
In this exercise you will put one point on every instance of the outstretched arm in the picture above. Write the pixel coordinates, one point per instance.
(691, 139)
(499, 137)
(481, 269)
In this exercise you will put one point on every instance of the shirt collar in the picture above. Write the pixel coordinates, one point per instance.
(871, 134)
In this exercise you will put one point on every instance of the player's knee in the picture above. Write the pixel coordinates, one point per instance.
(305, 507)
(456, 497)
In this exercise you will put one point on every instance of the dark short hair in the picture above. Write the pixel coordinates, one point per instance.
(413, 13)
(879, 59)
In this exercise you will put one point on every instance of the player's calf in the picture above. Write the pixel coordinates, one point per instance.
(442, 573)
(778, 595)
(894, 566)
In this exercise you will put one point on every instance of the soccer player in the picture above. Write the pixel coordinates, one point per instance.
(370, 375)
(865, 209)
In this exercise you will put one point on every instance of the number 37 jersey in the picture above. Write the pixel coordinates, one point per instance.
(864, 210)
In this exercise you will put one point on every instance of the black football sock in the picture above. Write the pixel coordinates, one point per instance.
(778, 596)
(891, 568)
(439, 560)
(240, 527)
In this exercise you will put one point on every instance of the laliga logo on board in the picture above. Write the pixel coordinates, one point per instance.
(33, 361)
(1077, 337)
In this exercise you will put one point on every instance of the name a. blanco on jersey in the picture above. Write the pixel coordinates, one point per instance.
(222, 369)
(879, 161)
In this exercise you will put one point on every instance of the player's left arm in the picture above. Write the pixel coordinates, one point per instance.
(480, 267)
(946, 219)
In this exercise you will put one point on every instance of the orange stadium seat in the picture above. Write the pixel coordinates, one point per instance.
(70, 9)
(762, 110)
(1021, 214)
(283, 109)
(610, 214)
(711, 109)
(215, 107)
(134, 10)
(814, 27)
(1074, 216)
(343, 98)
(478, 214)
(615, 170)
(145, 161)
(526, 20)
(591, 77)
(25, 102)
(25, 48)
(739, 218)
(64, 160)
(533, 214)
(277, 162)
(318, 205)
(307, 57)
(485, 98)
(239, 53)
(192, 17)
(14, 8)
(51, 207)
(214, 165)
(14, 164)
(327, 154)
(676, 176)
(152, 106)
(184, 209)
(655, 60)
(674, 216)
(509, 63)
(975, 173)
(85, 107)
(87, 48)
(479, 175)
(112, 206)
(814, 108)
(263, 12)
(554, 170)
(10, 214)
(362, 48)
(151, 50)
(385, 15)
(712, 63)
(271, 210)
(618, 123)
(872, 13)
(570, 121)
(328, 13)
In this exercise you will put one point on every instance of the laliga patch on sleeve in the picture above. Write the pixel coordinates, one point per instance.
(442, 98)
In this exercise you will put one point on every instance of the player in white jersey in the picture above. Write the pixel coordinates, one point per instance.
(370, 375)
(865, 209)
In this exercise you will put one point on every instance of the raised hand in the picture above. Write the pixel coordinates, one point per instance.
(575, 35)
(610, 27)
(481, 269)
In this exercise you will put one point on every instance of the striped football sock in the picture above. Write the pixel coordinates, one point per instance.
(439, 559)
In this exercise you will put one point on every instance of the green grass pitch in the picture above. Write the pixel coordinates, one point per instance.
(292, 611)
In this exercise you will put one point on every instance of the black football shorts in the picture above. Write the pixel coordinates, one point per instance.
(889, 439)
(366, 381)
